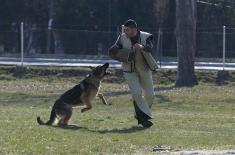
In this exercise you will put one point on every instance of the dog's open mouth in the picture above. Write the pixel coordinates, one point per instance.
(107, 72)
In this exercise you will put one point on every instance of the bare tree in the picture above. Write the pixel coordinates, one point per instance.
(186, 41)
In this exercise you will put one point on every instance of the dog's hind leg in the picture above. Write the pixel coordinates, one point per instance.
(60, 121)
(65, 115)
(67, 118)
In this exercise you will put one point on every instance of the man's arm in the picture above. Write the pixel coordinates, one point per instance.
(114, 48)
(149, 44)
(148, 47)
(117, 52)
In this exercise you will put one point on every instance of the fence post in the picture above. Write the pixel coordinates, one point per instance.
(224, 45)
(22, 44)
(159, 47)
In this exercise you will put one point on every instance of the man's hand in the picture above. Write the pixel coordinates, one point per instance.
(138, 46)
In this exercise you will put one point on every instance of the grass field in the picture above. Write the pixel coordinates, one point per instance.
(202, 117)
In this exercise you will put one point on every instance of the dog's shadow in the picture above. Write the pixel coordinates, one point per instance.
(68, 127)
(120, 131)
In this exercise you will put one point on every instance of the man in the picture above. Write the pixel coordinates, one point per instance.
(130, 48)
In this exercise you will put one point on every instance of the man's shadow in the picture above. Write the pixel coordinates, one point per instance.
(120, 131)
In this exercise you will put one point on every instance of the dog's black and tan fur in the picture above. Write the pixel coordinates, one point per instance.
(80, 95)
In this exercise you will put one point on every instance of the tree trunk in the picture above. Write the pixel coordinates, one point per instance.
(186, 41)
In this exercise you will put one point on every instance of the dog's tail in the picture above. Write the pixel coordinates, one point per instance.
(50, 121)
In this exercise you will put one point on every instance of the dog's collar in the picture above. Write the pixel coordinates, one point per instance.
(94, 81)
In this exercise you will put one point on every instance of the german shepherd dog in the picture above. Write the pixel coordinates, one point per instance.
(80, 95)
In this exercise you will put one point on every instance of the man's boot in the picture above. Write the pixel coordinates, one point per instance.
(141, 117)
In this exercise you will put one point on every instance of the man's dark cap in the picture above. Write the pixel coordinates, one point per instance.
(130, 23)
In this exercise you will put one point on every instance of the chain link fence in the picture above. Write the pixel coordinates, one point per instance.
(41, 42)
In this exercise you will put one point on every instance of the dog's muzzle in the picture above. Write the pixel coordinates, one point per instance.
(106, 65)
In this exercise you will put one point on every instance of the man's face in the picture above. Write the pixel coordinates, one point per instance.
(130, 31)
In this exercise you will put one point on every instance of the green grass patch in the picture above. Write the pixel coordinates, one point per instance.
(202, 117)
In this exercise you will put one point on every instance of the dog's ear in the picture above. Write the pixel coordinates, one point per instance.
(92, 68)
